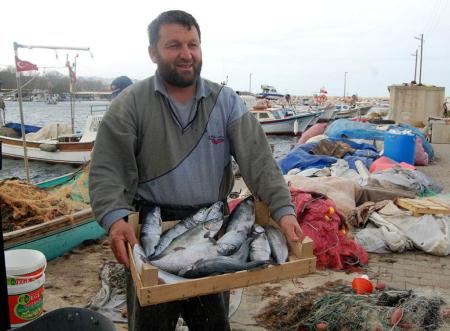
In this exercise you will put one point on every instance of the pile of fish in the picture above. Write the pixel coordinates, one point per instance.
(190, 250)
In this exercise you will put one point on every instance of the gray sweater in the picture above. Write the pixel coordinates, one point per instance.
(143, 150)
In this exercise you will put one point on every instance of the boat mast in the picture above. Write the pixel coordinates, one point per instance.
(18, 76)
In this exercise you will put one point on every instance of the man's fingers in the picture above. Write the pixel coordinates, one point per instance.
(299, 233)
(118, 247)
(130, 237)
(292, 234)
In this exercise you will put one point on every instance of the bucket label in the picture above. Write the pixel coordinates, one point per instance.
(23, 279)
(27, 306)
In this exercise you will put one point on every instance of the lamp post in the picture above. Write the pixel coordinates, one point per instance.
(421, 57)
(415, 66)
(345, 84)
(250, 82)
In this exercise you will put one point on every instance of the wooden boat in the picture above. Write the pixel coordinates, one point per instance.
(283, 121)
(60, 235)
(344, 111)
(67, 148)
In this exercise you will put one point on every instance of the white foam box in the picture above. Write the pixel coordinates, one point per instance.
(149, 291)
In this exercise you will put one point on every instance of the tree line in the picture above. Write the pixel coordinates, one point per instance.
(53, 81)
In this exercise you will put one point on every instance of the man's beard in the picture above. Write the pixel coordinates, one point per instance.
(170, 75)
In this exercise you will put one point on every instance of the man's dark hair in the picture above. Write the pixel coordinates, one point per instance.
(170, 17)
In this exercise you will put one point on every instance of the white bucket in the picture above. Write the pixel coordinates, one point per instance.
(25, 276)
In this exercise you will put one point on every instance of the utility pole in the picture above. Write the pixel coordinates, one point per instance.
(421, 57)
(345, 83)
(415, 66)
(250, 82)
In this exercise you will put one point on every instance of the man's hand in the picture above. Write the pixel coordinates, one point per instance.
(290, 228)
(119, 234)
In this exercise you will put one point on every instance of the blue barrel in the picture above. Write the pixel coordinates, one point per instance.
(400, 147)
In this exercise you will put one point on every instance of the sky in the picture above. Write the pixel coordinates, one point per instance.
(295, 46)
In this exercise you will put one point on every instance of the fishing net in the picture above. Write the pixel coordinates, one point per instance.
(23, 204)
(77, 187)
(336, 307)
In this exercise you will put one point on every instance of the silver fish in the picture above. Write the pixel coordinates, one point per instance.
(188, 223)
(218, 265)
(259, 247)
(230, 242)
(203, 232)
(182, 257)
(243, 217)
(164, 277)
(278, 244)
(151, 231)
(222, 264)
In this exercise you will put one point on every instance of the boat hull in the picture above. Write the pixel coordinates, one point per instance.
(294, 125)
(345, 113)
(70, 153)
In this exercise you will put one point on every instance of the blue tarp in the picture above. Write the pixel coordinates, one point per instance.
(344, 128)
(28, 128)
(301, 158)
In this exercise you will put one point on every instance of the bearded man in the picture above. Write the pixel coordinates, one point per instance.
(167, 141)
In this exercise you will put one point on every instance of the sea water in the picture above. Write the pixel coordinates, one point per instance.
(40, 114)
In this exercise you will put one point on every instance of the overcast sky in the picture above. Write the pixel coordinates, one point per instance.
(296, 46)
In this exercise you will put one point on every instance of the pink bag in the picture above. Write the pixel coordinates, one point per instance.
(313, 131)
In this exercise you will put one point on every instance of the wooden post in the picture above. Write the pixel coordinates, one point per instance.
(22, 122)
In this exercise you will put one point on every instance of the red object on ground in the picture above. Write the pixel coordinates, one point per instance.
(362, 286)
(313, 131)
(420, 157)
(384, 163)
(325, 225)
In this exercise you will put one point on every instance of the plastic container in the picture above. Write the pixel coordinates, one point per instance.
(25, 277)
(400, 147)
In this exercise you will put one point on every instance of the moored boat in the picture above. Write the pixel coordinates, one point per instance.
(283, 121)
(52, 144)
(60, 235)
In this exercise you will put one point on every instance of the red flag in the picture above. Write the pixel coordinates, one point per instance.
(73, 76)
(24, 65)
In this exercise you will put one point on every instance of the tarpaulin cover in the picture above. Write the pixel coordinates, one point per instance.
(301, 158)
(322, 222)
(344, 128)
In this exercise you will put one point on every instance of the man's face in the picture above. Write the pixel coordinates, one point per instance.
(178, 55)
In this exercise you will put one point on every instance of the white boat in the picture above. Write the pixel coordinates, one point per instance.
(344, 111)
(283, 121)
(269, 92)
(54, 148)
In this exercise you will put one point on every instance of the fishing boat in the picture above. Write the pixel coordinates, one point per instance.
(62, 234)
(283, 120)
(52, 144)
(344, 111)
(269, 92)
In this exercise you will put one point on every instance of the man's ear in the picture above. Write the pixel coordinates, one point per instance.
(153, 53)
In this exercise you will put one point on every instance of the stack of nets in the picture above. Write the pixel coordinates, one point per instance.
(23, 204)
(338, 308)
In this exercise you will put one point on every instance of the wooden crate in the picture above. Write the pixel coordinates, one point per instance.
(149, 292)
(424, 206)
